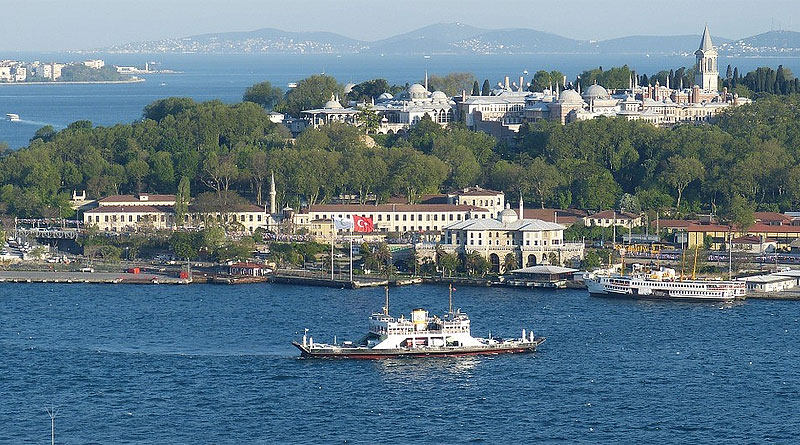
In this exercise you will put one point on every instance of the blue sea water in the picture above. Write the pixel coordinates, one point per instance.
(214, 364)
(225, 77)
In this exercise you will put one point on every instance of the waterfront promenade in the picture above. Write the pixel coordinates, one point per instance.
(24, 276)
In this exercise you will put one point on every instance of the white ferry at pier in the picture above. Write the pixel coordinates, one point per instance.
(420, 336)
(663, 284)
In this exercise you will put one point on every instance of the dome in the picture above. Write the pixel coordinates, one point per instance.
(595, 92)
(438, 95)
(570, 96)
(508, 215)
(417, 91)
(333, 103)
(385, 96)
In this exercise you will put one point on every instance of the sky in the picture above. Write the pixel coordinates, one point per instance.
(53, 25)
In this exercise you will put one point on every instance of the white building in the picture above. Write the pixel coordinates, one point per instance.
(528, 241)
(397, 218)
(141, 213)
(94, 63)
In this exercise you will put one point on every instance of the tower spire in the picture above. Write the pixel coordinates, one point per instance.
(273, 205)
(705, 41)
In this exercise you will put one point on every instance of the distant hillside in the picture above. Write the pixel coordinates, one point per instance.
(772, 43)
(266, 40)
(654, 45)
(457, 38)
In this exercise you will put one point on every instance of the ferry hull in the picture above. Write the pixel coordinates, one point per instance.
(378, 354)
(598, 289)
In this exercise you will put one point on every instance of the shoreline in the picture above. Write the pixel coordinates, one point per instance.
(81, 82)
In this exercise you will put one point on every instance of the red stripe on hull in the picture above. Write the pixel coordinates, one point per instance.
(418, 355)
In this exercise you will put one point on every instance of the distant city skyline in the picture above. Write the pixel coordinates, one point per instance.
(48, 25)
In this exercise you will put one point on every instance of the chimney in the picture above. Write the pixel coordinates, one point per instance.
(521, 83)
(506, 83)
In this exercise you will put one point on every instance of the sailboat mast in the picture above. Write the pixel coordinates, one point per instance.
(451, 298)
(386, 301)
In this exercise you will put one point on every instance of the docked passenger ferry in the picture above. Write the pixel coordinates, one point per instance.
(663, 284)
(422, 335)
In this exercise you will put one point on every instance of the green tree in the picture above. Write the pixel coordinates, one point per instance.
(311, 92)
(170, 106)
(451, 84)
(740, 213)
(264, 94)
(368, 119)
(476, 89)
(680, 172)
(182, 199)
(542, 179)
(510, 263)
(486, 89)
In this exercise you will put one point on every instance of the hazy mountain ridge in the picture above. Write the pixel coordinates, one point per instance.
(771, 43)
(455, 38)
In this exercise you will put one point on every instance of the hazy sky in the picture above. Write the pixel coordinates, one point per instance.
(32, 25)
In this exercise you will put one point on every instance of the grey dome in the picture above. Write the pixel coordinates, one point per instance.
(595, 92)
(570, 96)
(438, 95)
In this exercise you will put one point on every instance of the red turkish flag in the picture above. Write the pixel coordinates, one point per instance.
(362, 224)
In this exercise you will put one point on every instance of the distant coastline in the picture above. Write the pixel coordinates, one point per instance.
(83, 82)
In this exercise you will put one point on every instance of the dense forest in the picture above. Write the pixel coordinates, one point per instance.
(750, 155)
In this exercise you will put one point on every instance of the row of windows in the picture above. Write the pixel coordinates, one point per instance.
(163, 218)
(407, 217)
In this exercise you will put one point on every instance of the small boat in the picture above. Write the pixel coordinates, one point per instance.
(11, 117)
(420, 336)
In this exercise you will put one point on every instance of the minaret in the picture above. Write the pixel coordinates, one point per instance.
(707, 74)
(426, 80)
(273, 204)
(521, 207)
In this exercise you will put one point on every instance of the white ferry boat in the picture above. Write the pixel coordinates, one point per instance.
(12, 117)
(420, 336)
(663, 284)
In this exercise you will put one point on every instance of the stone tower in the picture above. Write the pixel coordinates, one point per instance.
(707, 74)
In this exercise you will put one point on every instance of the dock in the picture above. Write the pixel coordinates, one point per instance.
(26, 276)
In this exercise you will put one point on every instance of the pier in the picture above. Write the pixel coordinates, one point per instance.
(25, 276)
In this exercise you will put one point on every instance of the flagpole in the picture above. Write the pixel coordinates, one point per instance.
(351, 257)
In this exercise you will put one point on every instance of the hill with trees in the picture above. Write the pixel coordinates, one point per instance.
(751, 154)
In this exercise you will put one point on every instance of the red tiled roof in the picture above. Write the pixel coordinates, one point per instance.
(677, 223)
(357, 208)
(131, 209)
(755, 228)
(751, 239)
(565, 216)
(771, 216)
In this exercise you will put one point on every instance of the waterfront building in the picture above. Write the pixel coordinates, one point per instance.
(396, 218)
(5, 74)
(95, 63)
(144, 212)
(527, 242)
(717, 235)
